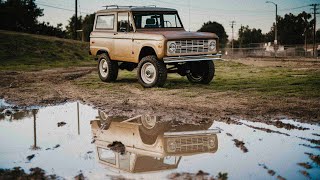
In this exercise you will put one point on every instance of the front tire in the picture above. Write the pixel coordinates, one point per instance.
(150, 129)
(152, 72)
(201, 72)
(108, 70)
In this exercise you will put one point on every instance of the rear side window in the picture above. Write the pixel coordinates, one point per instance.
(105, 22)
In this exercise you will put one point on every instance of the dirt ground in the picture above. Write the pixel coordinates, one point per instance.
(47, 87)
(281, 62)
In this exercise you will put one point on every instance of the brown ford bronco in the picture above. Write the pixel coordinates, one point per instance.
(154, 40)
(145, 143)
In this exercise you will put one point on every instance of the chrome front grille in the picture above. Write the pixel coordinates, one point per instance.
(192, 144)
(192, 46)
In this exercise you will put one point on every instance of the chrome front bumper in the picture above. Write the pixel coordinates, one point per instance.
(178, 59)
(192, 133)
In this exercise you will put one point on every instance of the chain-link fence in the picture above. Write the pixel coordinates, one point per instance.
(268, 51)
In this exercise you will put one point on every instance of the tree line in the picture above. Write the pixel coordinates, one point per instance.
(292, 30)
(22, 16)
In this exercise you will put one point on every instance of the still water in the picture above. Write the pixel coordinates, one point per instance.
(73, 138)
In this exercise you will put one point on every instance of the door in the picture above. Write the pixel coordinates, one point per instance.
(123, 38)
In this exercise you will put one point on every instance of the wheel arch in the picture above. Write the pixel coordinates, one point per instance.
(102, 51)
(146, 51)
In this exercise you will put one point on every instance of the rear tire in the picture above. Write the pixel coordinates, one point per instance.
(108, 70)
(105, 121)
(152, 72)
(201, 72)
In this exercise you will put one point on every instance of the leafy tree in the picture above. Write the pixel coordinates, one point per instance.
(22, 15)
(292, 29)
(218, 29)
(45, 28)
(19, 15)
(248, 36)
(70, 27)
(318, 36)
(85, 24)
(269, 37)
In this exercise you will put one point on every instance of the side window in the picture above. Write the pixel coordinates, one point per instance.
(105, 22)
(124, 24)
(107, 156)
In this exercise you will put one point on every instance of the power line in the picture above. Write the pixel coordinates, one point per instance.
(197, 7)
(61, 8)
(288, 9)
(45, 5)
(233, 10)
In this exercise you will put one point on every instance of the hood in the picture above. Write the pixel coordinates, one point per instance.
(175, 35)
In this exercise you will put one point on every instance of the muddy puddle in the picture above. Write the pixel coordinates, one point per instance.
(70, 139)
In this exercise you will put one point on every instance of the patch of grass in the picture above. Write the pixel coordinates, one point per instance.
(233, 77)
(20, 51)
(266, 81)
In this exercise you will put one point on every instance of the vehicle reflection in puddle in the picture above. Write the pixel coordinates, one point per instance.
(144, 143)
(64, 139)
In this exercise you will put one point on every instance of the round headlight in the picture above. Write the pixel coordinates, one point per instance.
(172, 47)
(212, 46)
(212, 142)
(172, 145)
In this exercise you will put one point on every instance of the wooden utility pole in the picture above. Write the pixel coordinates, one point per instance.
(76, 20)
(189, 3)
(275, 30)
(314, 29)
(232, 26)
(78, 115)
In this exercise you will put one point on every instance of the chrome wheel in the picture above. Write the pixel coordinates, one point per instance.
(103, 68)
(195, 78)
(148, 73)
(149, 122)
(103, 116)
(151, 72)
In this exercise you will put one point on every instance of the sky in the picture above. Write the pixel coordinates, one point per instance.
(254, 13)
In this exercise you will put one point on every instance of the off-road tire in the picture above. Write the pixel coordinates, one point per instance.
(149, 136)
(112, 69)
(105, 121)
(160, 74)
(207, 69)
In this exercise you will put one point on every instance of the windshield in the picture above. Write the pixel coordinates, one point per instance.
(151, 20)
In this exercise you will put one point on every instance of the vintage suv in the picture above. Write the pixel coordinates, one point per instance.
(154, 40)
(149, 144)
